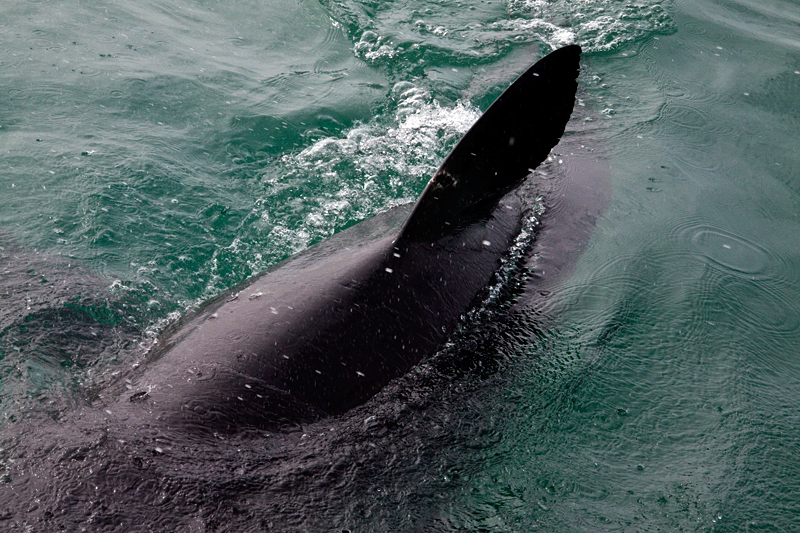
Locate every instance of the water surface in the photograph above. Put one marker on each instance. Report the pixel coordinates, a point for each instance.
(155, 154)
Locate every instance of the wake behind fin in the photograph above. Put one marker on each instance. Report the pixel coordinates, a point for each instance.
(506, 144)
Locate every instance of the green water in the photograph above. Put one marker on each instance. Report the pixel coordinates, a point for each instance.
(156, 153)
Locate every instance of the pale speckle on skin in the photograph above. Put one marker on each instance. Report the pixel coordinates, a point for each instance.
(487, 243)
(389, 270)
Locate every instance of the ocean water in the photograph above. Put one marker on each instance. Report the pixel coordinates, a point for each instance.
(157, 153)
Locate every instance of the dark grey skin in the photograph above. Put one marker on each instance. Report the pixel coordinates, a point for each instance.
(323, 332)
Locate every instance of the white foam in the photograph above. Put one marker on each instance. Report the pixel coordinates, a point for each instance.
(594, 24)
(522, 29)
(412, 147)
(371, 47)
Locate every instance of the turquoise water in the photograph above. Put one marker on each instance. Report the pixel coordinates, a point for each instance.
(155, 154)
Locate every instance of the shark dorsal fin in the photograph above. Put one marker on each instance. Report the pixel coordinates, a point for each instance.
(507, 142)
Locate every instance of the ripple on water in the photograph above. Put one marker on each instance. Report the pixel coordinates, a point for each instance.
(737, 255)
(688, 115)
(767, 309)
(734, 253)
(41, 96)
(694, 132)
(750, 282)
(598, 301)
(724, 278)
(89, 71)
(695, 157)
(694, 27)
(701, 92)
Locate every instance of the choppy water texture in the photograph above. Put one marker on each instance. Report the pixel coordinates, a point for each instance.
(156, 153)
